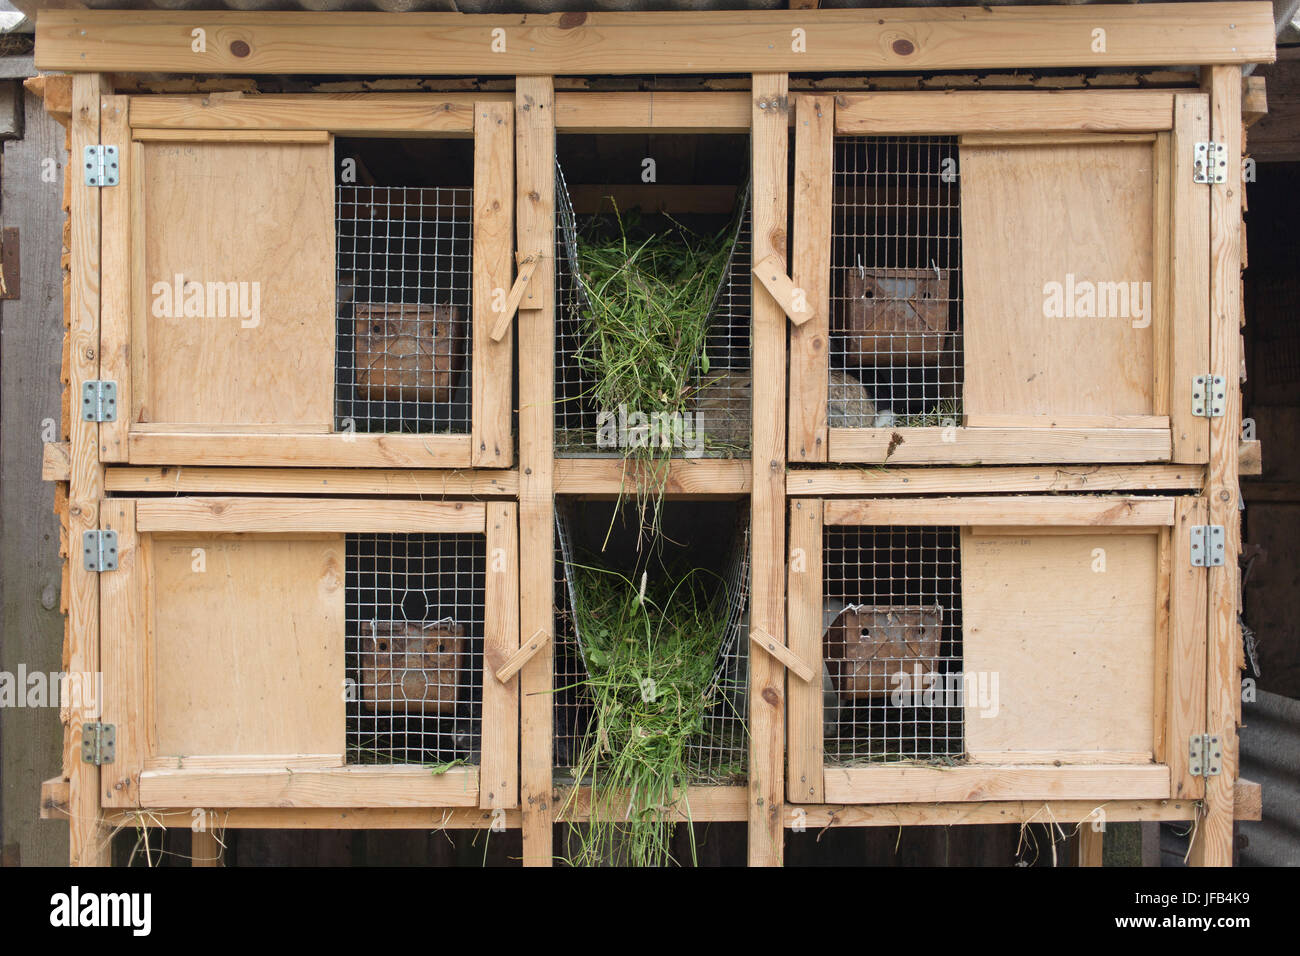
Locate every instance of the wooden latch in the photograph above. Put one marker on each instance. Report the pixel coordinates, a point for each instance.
(771, 272)
(527, 266)
(516, 661)
(792, 661)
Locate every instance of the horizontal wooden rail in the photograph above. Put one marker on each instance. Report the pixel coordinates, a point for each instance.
(1031, 511)
(860, 114)
(947, 38)
(696, 477)
(895, 784)
(998, 446)
(489, 482)
(341, 449)
(311, 787)
(844, 480)
(429, 113)
(672, 112)
(307, 515)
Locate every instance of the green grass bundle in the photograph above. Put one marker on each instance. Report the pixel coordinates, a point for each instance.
(650, 650)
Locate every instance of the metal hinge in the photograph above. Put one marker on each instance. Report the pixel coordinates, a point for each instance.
(99, 165)
(1209, 396)
(1210, 163)
(99, 550)
(1204, 756)
(98, 743)
(98, 401)
(1207, 545)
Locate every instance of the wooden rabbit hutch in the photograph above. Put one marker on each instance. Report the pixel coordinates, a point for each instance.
(976, 343)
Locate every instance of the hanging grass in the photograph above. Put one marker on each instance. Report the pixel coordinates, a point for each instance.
(649, 649)
(644, 332)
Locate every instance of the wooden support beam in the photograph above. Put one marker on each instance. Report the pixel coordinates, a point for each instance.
(480, 483)
(742, 41)
(1247, 800)
(782, 654)
(205, 849)
(1088, 845)
(1213, 843)
(56, 461)
(535, 229)
(793, 301)
(287, 515)
(1250, 458)
(769, 144)
(54, 799)
(501, 324)
(823, 482)
(680, 477)
(89, 839)
(513, 664)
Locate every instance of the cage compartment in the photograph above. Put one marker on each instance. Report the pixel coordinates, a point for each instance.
(892, 638)
(896, 308)
(718, 754)
(415, 635)
(717, 421)
(405, 265)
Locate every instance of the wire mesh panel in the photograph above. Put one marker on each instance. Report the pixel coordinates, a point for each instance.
(893, 644)
(415, 612)
(405, 275)
(717, 421)
(896, 288)
(718, 753)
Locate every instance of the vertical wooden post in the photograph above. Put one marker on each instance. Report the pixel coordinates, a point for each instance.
(204, 849)
(535, 224)
(1088, 845)
(806, 744)
(499, 769)
(1213, 843)
(770, 134)
(88, 838)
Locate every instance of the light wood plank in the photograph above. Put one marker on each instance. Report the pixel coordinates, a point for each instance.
(316, 481)
(259, 673)
(810, 342)
(698, 804)
(771, 273)
(290, 515)
(661, 112)
(995, 812)
(286, 447)
(205, 849)
(873, 114)
(124, 617)
(976, 420)
(1213, 844)
(499, 769)
(1088, 846)
(1044, 511)
(56, 461)
(681, 477)
(768, 147)
(535, 229)
(1184, 690)
(329, 818)
(414, 44)
(920, 481)
(1066, 626)
(1067, 219)
(805, 743)
(341, 113)
(228, 136)
(115, 278)
(1189, 280)
(329, 787)
(88, 839)
(492, 443)
(243, 761)
(991, 446)
(890, 784)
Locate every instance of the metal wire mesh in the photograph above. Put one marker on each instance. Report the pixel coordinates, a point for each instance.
(405, 274)
(414, 645)
(896, 286)
(893, 644)
(720, 414)
(719, 753)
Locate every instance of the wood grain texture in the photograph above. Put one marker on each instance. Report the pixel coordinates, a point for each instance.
(288, 446)
(288, 515)
(994, 812)
(676, 42)
(88, 841)
(769, 139)
(1184, 690)
(814, 141)
(1190, 280)
(125, 625)
(892, 784)
(247, 647)
(680, 477)
(535, 229)
(1047, 511)
(994, 446)
(340, 113)
(499, 770)
(1072, 646)
(662, 112)
(310, 787)
(1038, 215)
(274, 367)
(873, 114)
(805, 740)
(115, 276)
(492, 442)
(1213, 843)
(487, 483)
(1025, 478)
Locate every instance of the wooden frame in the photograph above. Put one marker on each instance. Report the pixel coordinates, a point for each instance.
(303, 764)
(251, 413)
(1147, 419)
(720, 42)
(1151, 761)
